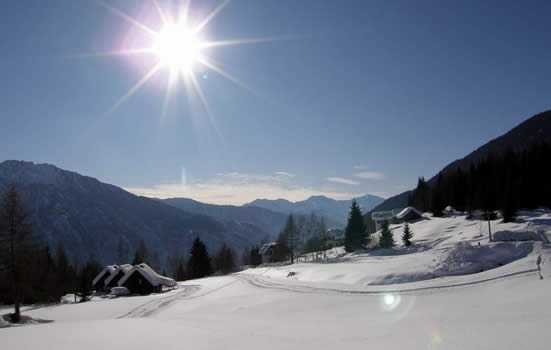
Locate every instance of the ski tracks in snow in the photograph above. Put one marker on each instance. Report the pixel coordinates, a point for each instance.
(157, 305)
(268, 283)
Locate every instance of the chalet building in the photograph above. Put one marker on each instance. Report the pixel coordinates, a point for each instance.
(395, 216)
(267, 252)
(99, 282)
(142, 279)
(115, 276)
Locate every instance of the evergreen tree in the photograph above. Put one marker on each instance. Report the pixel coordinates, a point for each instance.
(224, 260)
(291, 233)
(246, 257)
(355, 235)
(180, 272)
(256, 258)
(281, 249)
(387, 238)
(65, 275)
(509, 208)
(142, 255)
(437, 202)
(85, 278)
(407, 235)
(199, 263)
(16, 245)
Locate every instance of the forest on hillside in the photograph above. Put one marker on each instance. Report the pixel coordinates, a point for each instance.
(506, 182)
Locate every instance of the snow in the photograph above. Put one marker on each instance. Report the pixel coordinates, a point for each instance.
(341, 304)
(125, 268)
(406, 211)
(149, 274)
(120, 291)
(109, 269)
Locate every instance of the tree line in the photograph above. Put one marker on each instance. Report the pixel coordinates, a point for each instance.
(506, 182)
(31, 273)
(303, 237)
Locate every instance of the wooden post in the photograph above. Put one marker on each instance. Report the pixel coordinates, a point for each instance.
(489, 228)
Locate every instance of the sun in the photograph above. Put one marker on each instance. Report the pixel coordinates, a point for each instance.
(177, 47)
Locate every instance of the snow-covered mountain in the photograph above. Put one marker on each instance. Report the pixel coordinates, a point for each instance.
(91, 217)
(336, 211)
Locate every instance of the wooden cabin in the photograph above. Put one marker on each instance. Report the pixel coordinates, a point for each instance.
(142, 279)
(267, 252)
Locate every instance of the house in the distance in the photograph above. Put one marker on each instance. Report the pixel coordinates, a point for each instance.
(99, 282)
(395, 216)
(409, 214)
(267, 252)
(116, 276)
(142, 279)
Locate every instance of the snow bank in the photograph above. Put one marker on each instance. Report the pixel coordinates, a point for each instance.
(518, 236)
(120, 291)
(67, 299)
(466, 259)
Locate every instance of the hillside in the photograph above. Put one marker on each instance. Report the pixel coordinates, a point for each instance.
(90, 217)
(534, 130)
(446, 292)
(268, 221)
(335, 211)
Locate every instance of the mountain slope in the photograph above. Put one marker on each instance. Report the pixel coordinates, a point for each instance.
(534, 130)
(268, 221)
(335, 211)
(90, 217)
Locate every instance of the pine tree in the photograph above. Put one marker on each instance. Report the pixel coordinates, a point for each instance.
(256, 258)
(65, 275)
(437, 202)
(199, 263)
(291, 232)
(85, 277)
(281, 249)
(387, 238)
(180, 272)
(509, 209)
(224, 260)
(16, 245)
(355, 235)
(407, 235)
(142, 255)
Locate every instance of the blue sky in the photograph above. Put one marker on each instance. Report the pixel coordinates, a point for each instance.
(360, 97)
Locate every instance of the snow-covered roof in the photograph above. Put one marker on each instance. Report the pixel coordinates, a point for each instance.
(265, 248)
(106, 270)
(150, 275)
(124, 268)
(385, 215)
(406, 211)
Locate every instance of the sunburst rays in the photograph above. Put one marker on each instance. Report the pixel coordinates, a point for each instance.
(192, 85)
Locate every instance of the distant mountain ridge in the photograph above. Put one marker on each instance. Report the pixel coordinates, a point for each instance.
(534, 130)
(269, 221)
(90, 217)
(335, 211)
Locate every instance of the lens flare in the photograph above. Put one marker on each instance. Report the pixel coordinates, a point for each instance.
(390, 301)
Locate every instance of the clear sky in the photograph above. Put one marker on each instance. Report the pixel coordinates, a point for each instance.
(356, 97)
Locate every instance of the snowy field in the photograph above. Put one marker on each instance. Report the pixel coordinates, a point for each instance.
(447, 292)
